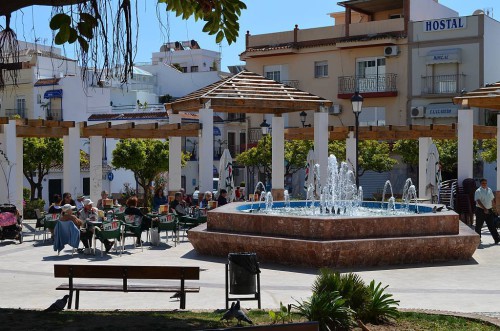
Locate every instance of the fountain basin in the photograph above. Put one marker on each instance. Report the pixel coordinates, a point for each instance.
(320, 241)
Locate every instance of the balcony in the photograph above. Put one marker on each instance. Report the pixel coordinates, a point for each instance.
(254, 135)
(442, 85)
(13, 113)
(370, 86)
(54, 114)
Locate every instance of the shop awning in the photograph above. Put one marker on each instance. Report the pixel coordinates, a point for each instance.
(53, 94)
(452, 55)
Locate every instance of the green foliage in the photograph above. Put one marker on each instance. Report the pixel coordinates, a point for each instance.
(381, 306)
(408, 149)
(74, 28)
(221, 16)
(350, 286)
(146, 158)
(39, 155)
(283, 315)
(337, 148)
(296, 155)
(30, 206)
(489, 153)
(329, 309)
(374, 156)
(26, 194)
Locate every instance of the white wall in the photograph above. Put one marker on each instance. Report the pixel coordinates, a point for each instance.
(429, 9)
(202, 58)
(491, 50)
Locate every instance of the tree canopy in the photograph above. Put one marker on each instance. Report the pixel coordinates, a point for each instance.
(105, 32)
(146, 158)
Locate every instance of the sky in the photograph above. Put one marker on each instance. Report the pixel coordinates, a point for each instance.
(261, 16)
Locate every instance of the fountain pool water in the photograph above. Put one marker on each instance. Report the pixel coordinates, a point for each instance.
(334, 227)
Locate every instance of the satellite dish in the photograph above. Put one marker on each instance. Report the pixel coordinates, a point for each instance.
(478, 12)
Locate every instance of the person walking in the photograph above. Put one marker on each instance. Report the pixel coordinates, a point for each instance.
(485, 201)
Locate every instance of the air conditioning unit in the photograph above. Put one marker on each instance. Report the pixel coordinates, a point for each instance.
(391, 50)
(335, 109)
(418, 112)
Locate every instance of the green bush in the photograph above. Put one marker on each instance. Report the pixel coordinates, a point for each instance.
(26, 194)
(30, 206)
(381, 306)
(329, 309)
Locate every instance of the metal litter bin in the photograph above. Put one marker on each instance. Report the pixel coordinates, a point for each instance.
(243, 270)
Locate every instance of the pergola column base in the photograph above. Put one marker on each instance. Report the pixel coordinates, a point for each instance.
(278, 194)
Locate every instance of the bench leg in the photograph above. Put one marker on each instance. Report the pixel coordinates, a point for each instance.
(77, 300)
(70, 299)
(183, 300)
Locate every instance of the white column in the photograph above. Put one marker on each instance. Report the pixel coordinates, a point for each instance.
(206, 149)
(321, 144)
(465, 144)
(350, 151)
(423, 149)
(11, 172)
(71, 166)
(174, 158)
(278, 156)
(95, 167)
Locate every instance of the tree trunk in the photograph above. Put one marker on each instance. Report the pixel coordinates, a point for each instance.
(33, 188)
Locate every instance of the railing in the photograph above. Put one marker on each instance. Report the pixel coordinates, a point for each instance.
(232, 117)
(54, 114)
(368, 83)
(443, 84)
(291, 83)
(16, 112)
(254, 135)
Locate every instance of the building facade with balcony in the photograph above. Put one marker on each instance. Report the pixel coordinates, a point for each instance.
(449, 56)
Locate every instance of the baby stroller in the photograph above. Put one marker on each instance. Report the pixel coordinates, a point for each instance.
(11, 223)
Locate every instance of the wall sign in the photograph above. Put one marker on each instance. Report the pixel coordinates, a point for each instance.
(451, 23)
(441, 110)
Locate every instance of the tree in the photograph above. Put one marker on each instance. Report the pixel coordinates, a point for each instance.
(39, 156)
(375, 156)
(337, 148)
(103, 33)
(489, 153)
(296, 155)
(259, 157)
(408, 150)
(146, 158)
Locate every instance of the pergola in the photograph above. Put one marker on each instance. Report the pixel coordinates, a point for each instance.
(248, 92)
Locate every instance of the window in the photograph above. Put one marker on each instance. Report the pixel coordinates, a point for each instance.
(374, 116)
(194, 68)
(21, 107)
(184, 69)
(274, 75)
(320, 69)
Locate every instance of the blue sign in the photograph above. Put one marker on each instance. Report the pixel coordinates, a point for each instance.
(53, 94)
(451, 23)
(110, 176)
(216, 131)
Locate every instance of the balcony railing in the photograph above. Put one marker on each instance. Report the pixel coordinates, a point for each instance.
(16, 112)
(54, 114)
(367, 84)
(254, 135)
(443, 84)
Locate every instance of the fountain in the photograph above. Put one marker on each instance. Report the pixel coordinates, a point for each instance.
(335, 227)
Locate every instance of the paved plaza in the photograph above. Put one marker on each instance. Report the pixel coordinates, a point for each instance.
(26, 273)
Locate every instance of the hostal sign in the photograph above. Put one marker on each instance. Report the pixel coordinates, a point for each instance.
(451, 23)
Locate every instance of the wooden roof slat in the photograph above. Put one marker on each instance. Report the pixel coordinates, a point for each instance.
(41, 132)
(170, 126)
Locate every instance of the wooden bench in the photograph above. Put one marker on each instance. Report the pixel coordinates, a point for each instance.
(125, 273)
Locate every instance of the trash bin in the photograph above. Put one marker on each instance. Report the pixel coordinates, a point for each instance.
(243, 270)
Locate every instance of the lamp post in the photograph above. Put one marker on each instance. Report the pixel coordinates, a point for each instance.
(357, 104)
(265, 127)
(303, 116)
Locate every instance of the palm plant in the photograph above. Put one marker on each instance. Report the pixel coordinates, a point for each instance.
(381, 306)
(327, 308)
(350, 286)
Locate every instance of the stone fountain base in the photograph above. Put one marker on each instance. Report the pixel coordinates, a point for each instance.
(423, 238)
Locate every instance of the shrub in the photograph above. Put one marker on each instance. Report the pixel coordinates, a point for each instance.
(31, 205)
(350, 286)
(26, 194)
(329, 309)
(381, 306)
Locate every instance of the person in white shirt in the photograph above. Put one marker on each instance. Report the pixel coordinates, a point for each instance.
(485, 201)
(79, 202)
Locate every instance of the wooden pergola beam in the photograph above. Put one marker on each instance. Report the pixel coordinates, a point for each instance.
(41, 132)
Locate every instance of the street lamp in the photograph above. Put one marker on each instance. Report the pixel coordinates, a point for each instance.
(265, 127)
(357, 104)
(303, 116)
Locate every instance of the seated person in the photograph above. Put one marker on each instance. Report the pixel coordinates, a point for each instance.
(85, 236)
(159, 199)
(222, 199)
(133, 210)
(91, 213)
(104, 195)
(79, 202)
(207, 197)
(67, 199)
(178, 205)
(55, 207)
(187, 199)
(196, 195)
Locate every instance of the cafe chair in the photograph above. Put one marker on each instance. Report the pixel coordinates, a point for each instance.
(40, 219)
(132, 228)
(110, 231)
(169, 223)
(66, 233)
(49, 223)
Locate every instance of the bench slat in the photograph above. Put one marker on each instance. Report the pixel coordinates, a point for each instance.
(130, 288)
(132, 272)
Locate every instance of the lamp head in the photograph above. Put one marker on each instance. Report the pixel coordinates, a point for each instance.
(357, 102)
(265, 127)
